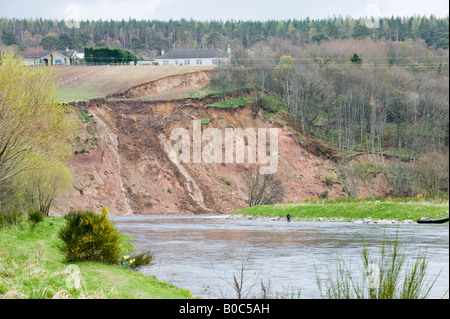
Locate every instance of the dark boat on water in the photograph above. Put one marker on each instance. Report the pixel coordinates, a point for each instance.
(428, 220)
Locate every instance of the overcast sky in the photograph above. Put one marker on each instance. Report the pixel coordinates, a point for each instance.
(206, 10)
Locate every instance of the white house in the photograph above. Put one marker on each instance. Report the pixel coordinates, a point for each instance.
(193, 57)
(66, 57)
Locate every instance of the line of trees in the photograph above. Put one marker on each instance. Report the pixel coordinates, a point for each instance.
(107, 55)
(387, 100)
(155, 35)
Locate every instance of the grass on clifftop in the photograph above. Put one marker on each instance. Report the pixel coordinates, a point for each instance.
(32, 267)
(233, 103)
(356, 210)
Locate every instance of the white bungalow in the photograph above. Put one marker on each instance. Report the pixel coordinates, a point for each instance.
(193, 57)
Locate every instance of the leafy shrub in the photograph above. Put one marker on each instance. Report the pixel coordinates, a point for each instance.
(226, 180)
(265, 104)
(83, 115)
(143, 259)
(35, 217)
(205, 121)
(13, 218)
(137, 260)
(323, 195)
(90, 236)
(328, 181)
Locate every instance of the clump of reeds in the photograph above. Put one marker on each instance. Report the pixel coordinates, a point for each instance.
(387, 276)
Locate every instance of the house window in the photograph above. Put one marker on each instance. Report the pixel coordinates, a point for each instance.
(215, 62)
(187, 62)
(199, 62)
(58, 61)
(165, 62)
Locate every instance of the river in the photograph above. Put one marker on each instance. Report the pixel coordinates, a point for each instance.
(203, 253)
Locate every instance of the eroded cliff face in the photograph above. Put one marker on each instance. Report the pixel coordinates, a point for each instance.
(130, 171)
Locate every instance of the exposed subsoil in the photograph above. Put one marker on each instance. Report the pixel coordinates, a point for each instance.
(130, 172)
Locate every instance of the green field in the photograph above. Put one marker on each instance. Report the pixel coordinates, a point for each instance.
(32, 267)
(81, 83)
(351, 211)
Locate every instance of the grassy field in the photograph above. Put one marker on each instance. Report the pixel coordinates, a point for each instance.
(353, 210)
(81, 83)
(32, 267)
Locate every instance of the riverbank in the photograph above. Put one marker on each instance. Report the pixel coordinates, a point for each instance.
(32, 267)
(356, 212)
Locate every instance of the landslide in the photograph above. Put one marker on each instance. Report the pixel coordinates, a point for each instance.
(127, 167)
(151, 89)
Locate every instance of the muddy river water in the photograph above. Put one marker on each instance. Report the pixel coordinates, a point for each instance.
(203, 253)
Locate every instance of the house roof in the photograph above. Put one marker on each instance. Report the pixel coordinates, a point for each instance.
(65, 53)
(194, 54)
(42, 54)
(34, 54)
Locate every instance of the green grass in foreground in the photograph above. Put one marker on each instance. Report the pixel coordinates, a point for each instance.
(32, 267)
(349, 211)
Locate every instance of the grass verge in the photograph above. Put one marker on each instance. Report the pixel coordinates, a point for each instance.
(32, 267)
(351, 211)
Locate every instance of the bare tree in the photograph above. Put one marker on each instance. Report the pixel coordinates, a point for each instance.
(222, 79)
(263, 189)
(312, 93)
(433, 172)
(44, 185)
(244, 279)
(349, 178)
(263, 62)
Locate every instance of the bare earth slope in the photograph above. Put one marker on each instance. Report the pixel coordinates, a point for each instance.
(130, 172)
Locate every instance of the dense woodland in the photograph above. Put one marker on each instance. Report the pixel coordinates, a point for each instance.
(151, 36)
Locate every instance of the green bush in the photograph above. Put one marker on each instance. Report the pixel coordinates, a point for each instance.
(83, 115)
(328, 181)
(323, 195)
(106, 55)
(205, 121)
(266, 104)
(136, 260)
(226, 180)
(35, 217)
(90, 236)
